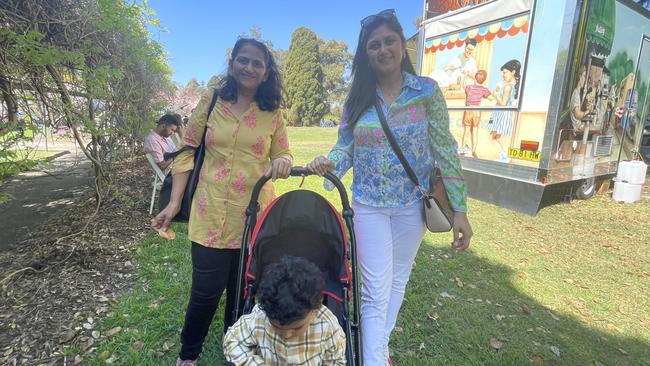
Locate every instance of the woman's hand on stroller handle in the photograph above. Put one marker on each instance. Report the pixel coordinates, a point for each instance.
(280, 168)
(320, 165)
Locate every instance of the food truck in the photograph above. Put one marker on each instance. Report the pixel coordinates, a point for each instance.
(545, 97)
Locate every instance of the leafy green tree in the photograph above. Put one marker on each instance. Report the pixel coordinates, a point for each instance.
(306, 97)
(90, 64)
(335, 62)
(620, 66)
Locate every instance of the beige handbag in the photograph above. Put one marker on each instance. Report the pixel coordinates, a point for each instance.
(438, 215)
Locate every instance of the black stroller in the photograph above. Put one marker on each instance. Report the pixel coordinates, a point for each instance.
(298, 217)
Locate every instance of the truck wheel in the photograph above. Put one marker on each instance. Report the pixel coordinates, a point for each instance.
(586, 189)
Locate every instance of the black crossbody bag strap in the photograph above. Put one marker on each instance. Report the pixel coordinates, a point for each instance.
(199, 154)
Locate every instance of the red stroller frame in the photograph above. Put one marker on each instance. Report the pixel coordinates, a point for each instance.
(287, 222)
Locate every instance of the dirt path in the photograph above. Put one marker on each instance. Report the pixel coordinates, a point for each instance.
(39, 193)
(49, 288)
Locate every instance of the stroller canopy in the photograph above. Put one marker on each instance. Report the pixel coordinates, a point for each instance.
(302, 223)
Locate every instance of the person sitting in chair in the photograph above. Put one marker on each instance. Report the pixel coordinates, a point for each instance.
(159, 141)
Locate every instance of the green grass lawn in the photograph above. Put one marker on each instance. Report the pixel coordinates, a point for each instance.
(566, 287)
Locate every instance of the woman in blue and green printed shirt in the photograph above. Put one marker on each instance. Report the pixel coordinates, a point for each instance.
(389, 218)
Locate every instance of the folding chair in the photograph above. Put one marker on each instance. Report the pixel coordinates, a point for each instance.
(158, 179)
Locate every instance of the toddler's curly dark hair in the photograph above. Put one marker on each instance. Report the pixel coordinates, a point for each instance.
(290, 289)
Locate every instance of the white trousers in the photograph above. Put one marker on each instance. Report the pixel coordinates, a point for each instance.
(387, 240)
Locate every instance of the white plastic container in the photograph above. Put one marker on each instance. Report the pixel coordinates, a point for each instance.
(631, 171)
(626, 192)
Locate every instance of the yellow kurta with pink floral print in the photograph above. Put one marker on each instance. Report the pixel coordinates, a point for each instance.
(238, 152)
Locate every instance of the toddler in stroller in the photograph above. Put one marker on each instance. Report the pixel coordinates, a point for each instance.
(303, 224)
(289, 325)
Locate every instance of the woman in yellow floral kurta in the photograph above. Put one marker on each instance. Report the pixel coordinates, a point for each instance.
(239, 151)
(245, 139)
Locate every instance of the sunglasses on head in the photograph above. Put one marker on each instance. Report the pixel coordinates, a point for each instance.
(388, 14)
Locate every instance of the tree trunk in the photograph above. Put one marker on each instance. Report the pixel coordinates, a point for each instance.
(10, 101)
(100, 175)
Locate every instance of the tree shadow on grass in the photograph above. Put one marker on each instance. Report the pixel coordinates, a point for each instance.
(441, 323)
(460, 308)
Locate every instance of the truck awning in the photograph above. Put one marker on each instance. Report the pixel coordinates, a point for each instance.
(508, 27)
(601, 25)
(478, 15)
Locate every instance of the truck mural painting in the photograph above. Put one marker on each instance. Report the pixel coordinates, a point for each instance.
(545, 98)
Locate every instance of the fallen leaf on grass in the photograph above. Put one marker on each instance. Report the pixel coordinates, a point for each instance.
(433, 317)
(555, 350)
(499, 317)
(68, 336)
(78, 359)
(552, 315)
(458, 282)
(113, 331)
(167, 345)
(597, 363)
(622, 351)
(525, 309)
(95, 334)
(104, 355)
(421, 346)
(446, 294)
(154, 304)
(644, 322)
(472, 286)
(537, 360)
(88, 344)
(495, 343)
(137, 345)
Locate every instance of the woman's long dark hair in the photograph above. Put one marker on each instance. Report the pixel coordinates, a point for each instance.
(364, 83)
(269, 93)
(515, 67)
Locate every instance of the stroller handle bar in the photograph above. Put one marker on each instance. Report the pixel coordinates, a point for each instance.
(304, 172)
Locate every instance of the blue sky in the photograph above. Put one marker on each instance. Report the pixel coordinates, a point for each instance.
(199, 31)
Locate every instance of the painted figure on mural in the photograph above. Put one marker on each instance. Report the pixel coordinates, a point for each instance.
(581, 103)
(505, 94)
(627, 105)
(460, 70)
(474, 94)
